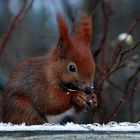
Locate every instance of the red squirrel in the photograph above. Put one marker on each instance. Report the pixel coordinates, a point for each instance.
(57, 87)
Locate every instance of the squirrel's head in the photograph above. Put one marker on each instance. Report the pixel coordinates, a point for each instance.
(74, 61)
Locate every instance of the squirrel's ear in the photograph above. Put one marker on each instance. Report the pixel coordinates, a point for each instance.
(84, 29)
(64, 39)
(62, 27)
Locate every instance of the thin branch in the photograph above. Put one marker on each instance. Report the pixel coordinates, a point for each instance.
(134, 25)
(128, 50)
(117, 52)
(131, 99)
(127, 93)
(4, 40)
(94, 10)
(106, 11)
(105, 75)
(119, 65)
(121, 59)
(115, 85)
(106, 16)
(130, 79)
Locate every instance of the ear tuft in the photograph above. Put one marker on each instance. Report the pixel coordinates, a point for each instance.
(62, 27)
(84, 29)
(63, 43)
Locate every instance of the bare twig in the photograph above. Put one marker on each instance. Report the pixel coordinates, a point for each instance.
(131, 99)
(106, 17)
(4, 40)
(128, 50)
(106, 11)
(117, 52)
(117, 61)
(102, 50)
(134, 25)
(115, 85)
(94, 10)
(122, 58)
(127, 93)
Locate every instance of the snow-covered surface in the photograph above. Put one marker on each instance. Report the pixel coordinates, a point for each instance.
(112, 126)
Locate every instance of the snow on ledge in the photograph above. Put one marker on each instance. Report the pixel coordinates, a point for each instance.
(112, 126)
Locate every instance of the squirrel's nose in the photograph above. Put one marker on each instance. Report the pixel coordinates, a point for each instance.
(88, 90)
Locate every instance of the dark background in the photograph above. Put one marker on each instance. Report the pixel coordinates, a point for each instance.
(37, 33)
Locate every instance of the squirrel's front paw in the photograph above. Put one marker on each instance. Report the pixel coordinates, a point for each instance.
(81, 101)
(93, 100)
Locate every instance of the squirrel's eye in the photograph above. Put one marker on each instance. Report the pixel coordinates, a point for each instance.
(72, 68)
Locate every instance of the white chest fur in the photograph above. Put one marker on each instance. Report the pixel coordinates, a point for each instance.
(57, 118)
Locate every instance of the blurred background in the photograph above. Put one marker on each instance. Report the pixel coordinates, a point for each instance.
(37, 32)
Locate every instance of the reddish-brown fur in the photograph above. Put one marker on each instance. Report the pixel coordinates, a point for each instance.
(34, 89)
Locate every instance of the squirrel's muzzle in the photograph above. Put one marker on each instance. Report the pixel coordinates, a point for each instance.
(87, 88)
